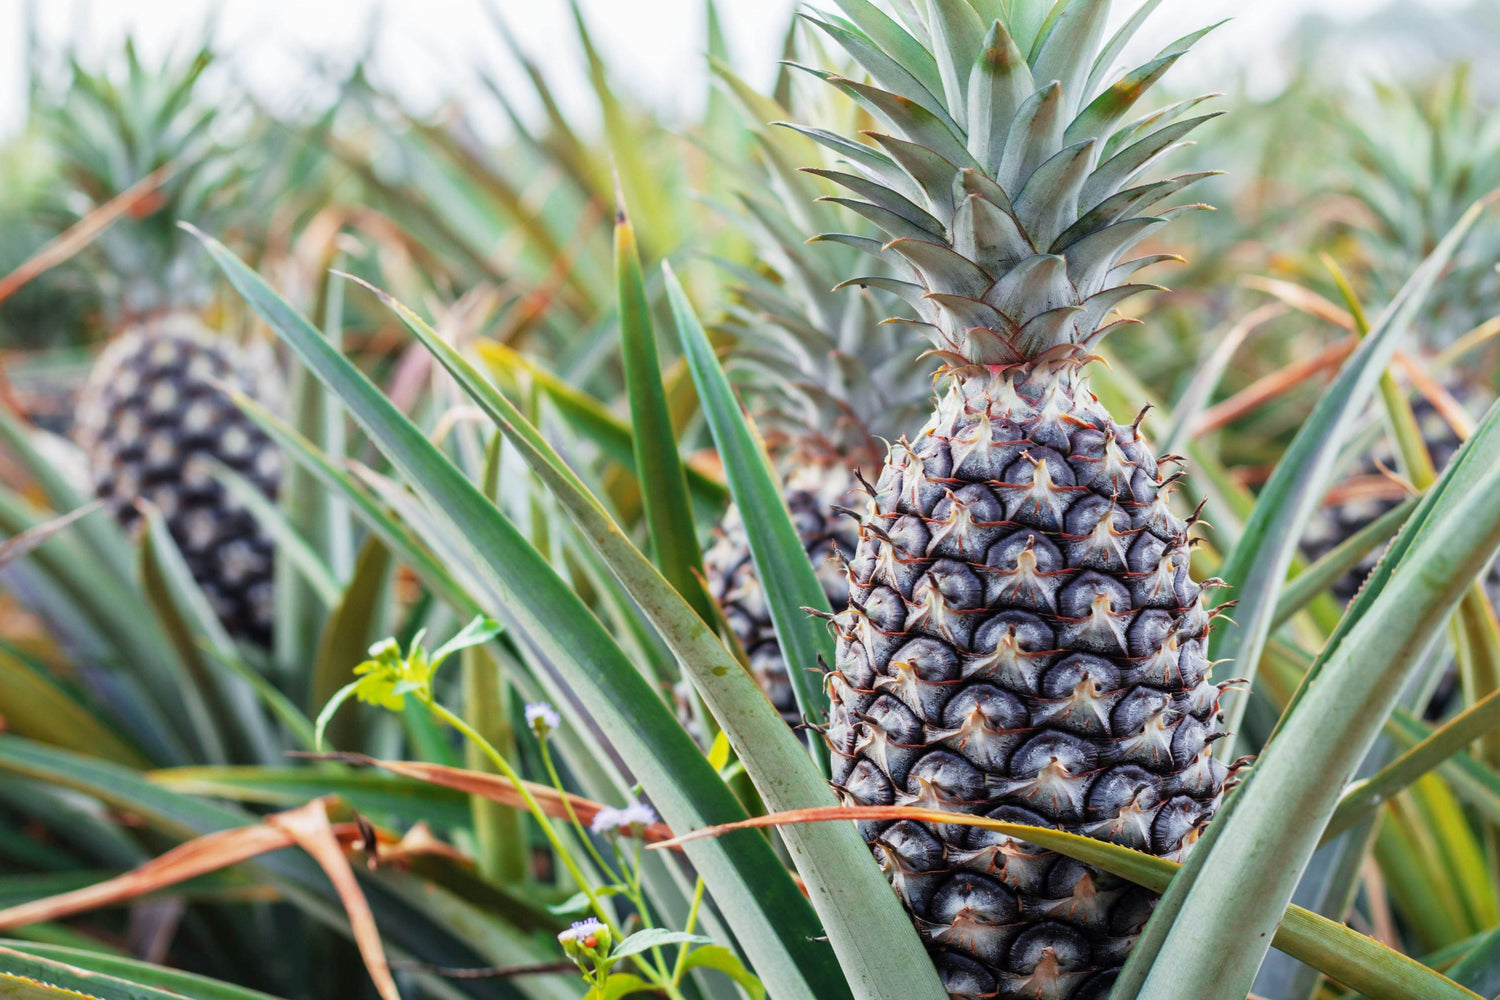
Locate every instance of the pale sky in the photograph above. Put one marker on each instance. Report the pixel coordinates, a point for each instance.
(425, 47)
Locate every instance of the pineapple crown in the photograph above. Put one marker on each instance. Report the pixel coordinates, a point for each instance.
(111, 130)
(1423, 154)
(1009, 185)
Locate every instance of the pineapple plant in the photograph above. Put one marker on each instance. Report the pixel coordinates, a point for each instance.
(155, 416)
(1022, 639)
(1422, 155)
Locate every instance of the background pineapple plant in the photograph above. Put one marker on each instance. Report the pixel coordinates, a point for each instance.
(828, 382)
(155, 418)
(1423, 153)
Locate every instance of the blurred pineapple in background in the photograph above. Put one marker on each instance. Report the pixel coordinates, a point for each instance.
(1421, 154)
(154, 418)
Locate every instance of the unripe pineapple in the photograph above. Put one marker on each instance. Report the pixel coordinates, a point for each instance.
(1023, 639)
(154, 419)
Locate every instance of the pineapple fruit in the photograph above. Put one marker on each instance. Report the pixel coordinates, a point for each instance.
(812, 494)
(1022, 639)
(154, 416)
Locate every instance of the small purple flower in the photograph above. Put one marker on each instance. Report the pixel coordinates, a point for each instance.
(543, 719)
(631, 821)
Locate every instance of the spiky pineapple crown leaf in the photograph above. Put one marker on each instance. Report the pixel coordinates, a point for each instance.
(1422, 154)
(113, 126)
(826, 378)
(1009, 186)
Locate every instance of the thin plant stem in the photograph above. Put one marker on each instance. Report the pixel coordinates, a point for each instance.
(655, 974)
(692, 921)
(632, 880)
(583, 833)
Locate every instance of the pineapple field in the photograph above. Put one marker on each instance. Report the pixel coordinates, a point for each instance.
(992, 499)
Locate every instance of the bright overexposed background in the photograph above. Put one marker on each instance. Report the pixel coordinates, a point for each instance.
(424, 50)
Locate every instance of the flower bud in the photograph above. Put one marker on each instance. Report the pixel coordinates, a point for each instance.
(586, 941)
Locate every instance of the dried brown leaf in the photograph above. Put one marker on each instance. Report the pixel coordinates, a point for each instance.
(309, 828)
(1435, 393)
(1302, 299)
(200, 856)
(84, 231)
(493, 787)
(17, 546)
(306, 827)
(1264, 390)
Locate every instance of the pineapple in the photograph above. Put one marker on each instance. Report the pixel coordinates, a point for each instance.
(827, 382)
(1023, 639)
(1371, 490)
(154, 416)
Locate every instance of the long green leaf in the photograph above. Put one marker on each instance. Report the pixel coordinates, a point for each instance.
(204, 646)
(1259, 563)
(354, 623)
(1340, 560)
(773, 922)
(1453, 736)
(370, 792)
(406, 926)
(289, 543)
(791, 583)
(100, 536)
(593, 420)
(851, 899)
(1479, 970)
(123, 626)
(658, 463)
(110, 977)
(1338, 951)
(1471, 780)
(500, 848)
(1213, 951)
(397, 538)
(35, 705)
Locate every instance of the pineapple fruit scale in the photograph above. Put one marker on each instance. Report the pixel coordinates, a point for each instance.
(1022, 638)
